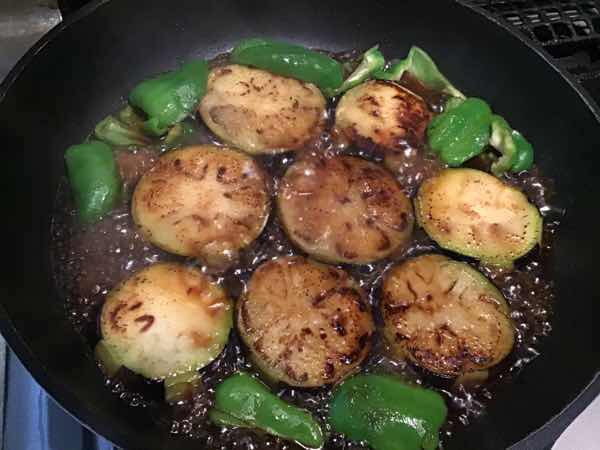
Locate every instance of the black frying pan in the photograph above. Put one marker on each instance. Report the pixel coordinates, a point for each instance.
(81, 70)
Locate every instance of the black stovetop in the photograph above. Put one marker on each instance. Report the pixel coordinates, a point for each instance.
(569, 30)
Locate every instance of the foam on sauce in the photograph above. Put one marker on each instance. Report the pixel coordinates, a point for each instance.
(89, 262)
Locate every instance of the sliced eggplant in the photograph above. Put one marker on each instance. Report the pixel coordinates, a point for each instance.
(260, 112)
(344, 209)
(475, 214)
(382, 115)
(305, 323)
(166, 320)
(203, 201)
(445, 316)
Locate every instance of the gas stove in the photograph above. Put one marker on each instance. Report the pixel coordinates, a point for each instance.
(567, 30)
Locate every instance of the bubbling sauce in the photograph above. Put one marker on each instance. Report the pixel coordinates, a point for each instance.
(89, 262)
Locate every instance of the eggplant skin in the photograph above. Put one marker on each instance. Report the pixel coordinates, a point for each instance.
(166, 319)
(260, 112)
(382, 115)
(203, 201)
(306, 324)
(475, 214)
(344, 209)
(445, 316)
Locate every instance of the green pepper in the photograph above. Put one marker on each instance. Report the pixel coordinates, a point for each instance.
(131, 118)
(94, 178)
(517, 152)
(115, 132)
(501, 139)
(290, 60)
(226, 420)
(420, 65)
(461, 132)
(176, 134)
(524, 153)
(170, 97)
(372, 61)
(452, 103)
(387, 413)
(243, 401)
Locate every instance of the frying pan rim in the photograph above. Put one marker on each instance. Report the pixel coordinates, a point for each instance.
(545, 435)
(541, 438)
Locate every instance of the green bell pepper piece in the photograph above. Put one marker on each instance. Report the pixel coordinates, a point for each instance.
(115, 132)
(502, 140)
(524, 153)
(461, 132)
(517, 152)
(387, 413)
(452, 103)
(170, 97)
(94, 178)
(372, 61)
(242, 400)
(420, 65)
(225, 420)
(176, 134)
(290, 60)
(131, 118)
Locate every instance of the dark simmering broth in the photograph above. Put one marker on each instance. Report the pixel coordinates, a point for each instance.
(88, 262)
